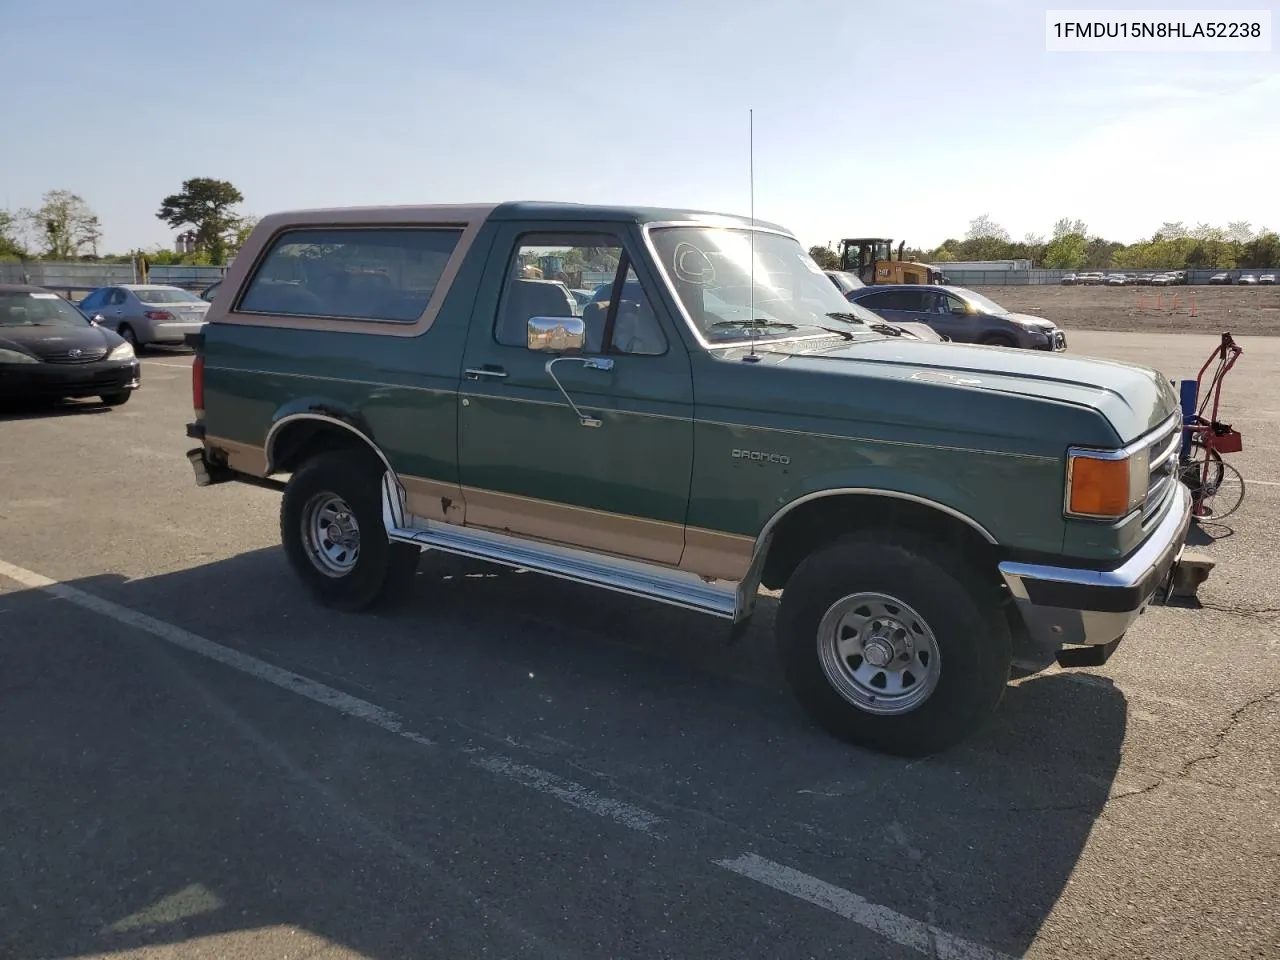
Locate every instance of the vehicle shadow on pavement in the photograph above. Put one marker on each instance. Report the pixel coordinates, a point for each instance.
(129, 791)
(32, 410)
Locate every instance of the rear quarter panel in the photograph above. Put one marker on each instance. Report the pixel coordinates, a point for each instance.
(402, 389)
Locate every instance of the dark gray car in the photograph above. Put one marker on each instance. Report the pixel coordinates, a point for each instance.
(960, 315)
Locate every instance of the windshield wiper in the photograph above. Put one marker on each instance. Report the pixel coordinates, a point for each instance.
(851, 317)
(751, 324)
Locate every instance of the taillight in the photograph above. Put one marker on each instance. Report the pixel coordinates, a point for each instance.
(197, 385)
(158, 315)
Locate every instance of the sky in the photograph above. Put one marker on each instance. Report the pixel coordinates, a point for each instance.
(901, 120)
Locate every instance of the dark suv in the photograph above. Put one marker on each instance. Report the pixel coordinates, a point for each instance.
(960, 314)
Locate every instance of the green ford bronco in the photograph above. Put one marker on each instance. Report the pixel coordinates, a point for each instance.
(680, 406)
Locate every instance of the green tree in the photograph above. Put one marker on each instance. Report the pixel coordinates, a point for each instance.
(64, 226)
(243, 228)
(1067, 226)
(10, 244)
(205, 204)
(825, 257)
(1262, 251)
(1067, 252)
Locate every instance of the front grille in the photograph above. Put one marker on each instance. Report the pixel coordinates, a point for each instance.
(86, 355)
(1163, 458)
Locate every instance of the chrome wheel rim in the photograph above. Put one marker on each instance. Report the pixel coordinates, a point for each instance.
(331, 534)
(878, 653)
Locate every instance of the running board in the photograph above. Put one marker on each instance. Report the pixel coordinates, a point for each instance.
(633, 577)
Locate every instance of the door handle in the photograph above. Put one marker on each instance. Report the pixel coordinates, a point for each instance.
(488, 370)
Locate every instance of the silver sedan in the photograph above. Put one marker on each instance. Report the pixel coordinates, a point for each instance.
(147, 313)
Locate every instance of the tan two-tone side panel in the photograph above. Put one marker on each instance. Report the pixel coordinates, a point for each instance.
(708, 553)
(433, 499)
(465, 217)
(612, 533)
(245, 457)
(721, 556)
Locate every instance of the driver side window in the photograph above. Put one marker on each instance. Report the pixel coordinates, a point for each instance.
(577, 275)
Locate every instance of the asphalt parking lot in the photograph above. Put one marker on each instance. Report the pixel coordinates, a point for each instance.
(199, 762)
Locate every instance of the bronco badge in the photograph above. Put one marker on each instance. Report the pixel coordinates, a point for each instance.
(758, 456)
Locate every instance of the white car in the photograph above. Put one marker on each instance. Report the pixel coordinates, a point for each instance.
(1117, 280)
(1267, 278)
(147, 313)
(1247, 278)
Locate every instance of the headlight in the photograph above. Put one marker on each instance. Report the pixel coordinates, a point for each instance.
(1106, 484)
(122, 352)
(13, 356)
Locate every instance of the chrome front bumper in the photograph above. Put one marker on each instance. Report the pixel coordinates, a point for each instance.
(1065, 606)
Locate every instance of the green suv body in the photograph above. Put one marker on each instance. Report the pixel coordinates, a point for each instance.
(716, 420)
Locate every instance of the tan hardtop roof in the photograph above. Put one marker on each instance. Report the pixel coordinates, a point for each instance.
(389, 213)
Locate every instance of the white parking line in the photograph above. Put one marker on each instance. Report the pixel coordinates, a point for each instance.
(881, 920)
(566, 791)
(285, 679)
(573, 794)
(890, 924)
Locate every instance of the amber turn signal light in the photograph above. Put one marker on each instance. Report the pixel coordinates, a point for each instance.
(1098, 487)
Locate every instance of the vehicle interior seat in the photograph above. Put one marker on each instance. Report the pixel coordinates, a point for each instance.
(531, 298)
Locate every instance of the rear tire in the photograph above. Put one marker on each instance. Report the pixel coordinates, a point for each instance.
(117, 398)
(854, 625)
(332, 532)
(131, 338)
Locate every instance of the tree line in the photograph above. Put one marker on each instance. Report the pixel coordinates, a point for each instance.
(1071, 246)
(64, 227)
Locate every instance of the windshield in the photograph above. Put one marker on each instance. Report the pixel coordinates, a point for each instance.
(167, 295)
(981, 302)
(25, 309)
(731, 296)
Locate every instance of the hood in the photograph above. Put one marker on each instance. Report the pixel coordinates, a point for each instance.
(1028, 320)
(41, 341)
(1134, 399)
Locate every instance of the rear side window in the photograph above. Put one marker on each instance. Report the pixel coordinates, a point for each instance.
(367, 273)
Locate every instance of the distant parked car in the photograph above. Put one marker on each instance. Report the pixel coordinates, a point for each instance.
(1267, 278)
(147, 313)
(1162, 280)
(1068, 279)
(1220, 278)
(50, 349)
(959, 314)
(1247, 278)
(1117, 280)
(1090, 278)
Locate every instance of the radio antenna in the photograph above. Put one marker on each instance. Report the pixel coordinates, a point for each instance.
(751, 188)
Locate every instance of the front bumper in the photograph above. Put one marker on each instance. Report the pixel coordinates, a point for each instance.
(1070, 607)
(72, 380)
(1055, 341)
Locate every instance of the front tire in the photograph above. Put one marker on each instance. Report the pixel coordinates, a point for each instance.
(332, 532)
(889, 643)
(998, 340)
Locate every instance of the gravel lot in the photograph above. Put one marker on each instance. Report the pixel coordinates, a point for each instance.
(198, 762)
(1239, 310)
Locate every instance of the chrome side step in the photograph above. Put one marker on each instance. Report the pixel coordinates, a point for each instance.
(633, 577)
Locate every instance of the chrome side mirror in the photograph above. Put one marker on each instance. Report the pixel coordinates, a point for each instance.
(97, 318)
(557, 334)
